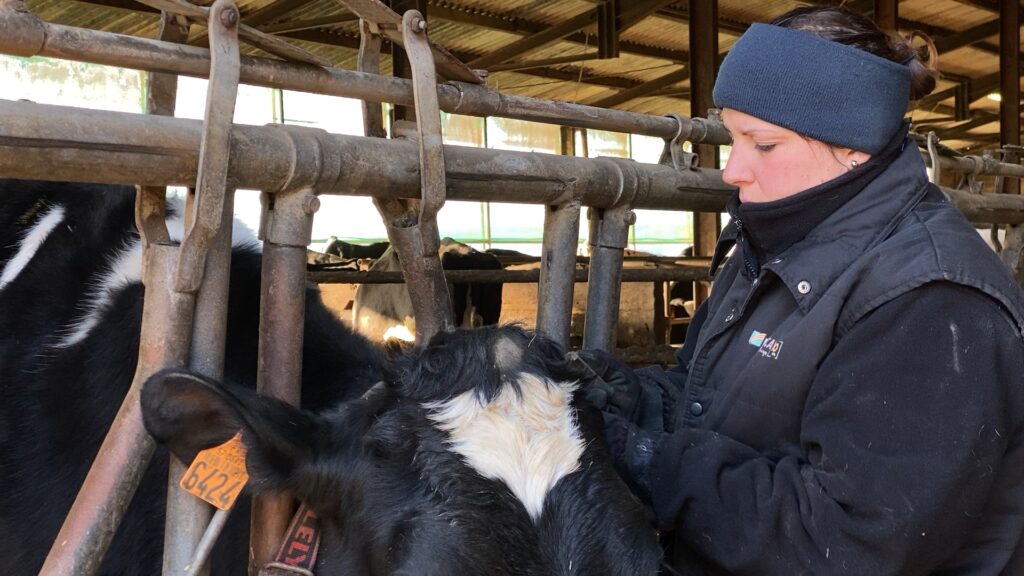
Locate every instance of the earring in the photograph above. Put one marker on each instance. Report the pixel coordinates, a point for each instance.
(853, 164)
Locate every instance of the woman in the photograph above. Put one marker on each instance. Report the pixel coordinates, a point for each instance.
(850, 399)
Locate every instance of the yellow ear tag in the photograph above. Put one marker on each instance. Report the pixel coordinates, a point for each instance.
(218, 474)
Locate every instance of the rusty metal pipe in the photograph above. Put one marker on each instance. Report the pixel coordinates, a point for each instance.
(697, 273)
(286, 228)
(23, 34)
(187, 516)
(557, 271)
(116, 147)
(282, 309)
(609, 233)
(977, 165)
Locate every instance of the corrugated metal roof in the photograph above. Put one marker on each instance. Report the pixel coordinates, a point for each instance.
(653, 47)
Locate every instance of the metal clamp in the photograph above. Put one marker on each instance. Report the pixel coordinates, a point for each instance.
(383, 20)
(262, 40)
(412, 225)
(673, 153)
(1010, 154)
(369, 61)
(936, 172)
(428, 116)
(215, 147)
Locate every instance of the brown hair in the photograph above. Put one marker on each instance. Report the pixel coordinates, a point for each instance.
(847, 27)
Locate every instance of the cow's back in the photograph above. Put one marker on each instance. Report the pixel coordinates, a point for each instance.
(61, 384)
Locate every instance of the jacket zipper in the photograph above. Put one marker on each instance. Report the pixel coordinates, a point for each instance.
(741, 239)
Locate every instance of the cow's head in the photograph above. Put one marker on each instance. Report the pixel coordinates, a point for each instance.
(504, 397)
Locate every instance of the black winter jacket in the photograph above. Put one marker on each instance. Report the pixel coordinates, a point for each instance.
(858, 406)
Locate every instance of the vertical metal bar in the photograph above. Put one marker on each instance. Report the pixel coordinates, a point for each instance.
(660, 323)
(703, 69)
(203, 266)
(161, 100)
(187, 516)
(286, 227)
(111, 482)
(886, 14)
(369, 61)
(609, 233)
(1009, 81)
(557, 271)
(282, 309)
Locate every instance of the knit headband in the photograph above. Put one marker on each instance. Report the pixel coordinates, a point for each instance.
(828, 91)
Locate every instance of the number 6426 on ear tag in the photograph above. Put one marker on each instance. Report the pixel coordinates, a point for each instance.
(218, 474)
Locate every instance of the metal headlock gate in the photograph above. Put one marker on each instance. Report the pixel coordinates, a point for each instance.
(184, 314)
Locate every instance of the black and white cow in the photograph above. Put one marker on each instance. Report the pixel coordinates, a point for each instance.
(384, 311)
(348, 250)
(476, 457)
(70, 312)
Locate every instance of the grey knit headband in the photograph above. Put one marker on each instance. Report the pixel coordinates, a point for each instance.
(819, 88)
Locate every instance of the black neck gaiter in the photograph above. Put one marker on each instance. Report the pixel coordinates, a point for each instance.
(766, 229)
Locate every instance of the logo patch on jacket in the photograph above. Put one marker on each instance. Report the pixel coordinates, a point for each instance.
(766, 345)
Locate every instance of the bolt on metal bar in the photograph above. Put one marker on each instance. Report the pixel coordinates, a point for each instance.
(23, 34)
(609, 233)
(557, 271)
(388, 23)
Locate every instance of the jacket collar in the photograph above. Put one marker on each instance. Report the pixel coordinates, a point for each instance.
(831, 246)
(812, 264)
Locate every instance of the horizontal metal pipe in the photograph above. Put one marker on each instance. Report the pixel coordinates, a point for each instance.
(662, 274)
(979, 165)
(23, 34)
(988, 208)
(116, 147)
(121, 148)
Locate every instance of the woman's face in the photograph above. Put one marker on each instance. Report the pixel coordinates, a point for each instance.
(769, 162)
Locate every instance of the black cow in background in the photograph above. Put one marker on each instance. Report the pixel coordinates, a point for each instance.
(383, 311)
(70, 313)
(348, 250)
(478, 456)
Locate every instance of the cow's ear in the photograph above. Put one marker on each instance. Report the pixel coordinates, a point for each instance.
(189, 413)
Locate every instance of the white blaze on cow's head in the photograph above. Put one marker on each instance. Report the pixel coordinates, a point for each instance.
(504, 413)
(526, 436)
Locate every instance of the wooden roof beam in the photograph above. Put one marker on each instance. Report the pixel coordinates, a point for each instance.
(987, 5)
(642, 90)
(967, 37)
(352, 42)
(517, 25)
(536, 40)
(960, 130)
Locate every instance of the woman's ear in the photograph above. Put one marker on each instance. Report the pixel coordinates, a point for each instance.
(852, 158)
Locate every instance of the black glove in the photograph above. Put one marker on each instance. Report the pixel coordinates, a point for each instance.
(614, 388)
(632, 452)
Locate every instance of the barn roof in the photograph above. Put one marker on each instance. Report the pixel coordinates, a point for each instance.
(653, 47)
